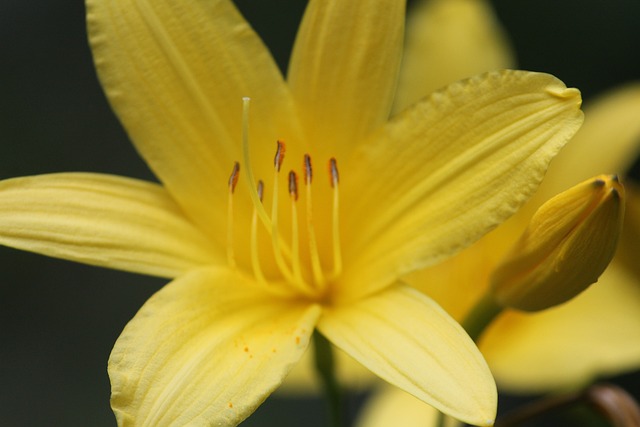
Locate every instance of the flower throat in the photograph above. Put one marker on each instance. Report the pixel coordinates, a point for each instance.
(311, 280)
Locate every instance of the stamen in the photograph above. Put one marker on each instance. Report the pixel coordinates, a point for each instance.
(334, 176)
(293, 185)
(233, 181)
(275, 235)
(316, 266)
(279, 157)
(308, 171)
(280, 249)
(255, 260)
(335, 214)
(295, 237)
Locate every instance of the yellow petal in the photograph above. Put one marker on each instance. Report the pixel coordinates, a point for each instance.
(608, 142)
(207, 349)
(629, 248)
(102, 220)
(570, 241)
(408, 340)
(303, 378)
(595, 334)
(393, 407)
(343, 70)
(445, 172)
(448, 40)
(175, 73)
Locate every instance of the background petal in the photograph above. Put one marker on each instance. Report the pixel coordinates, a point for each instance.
(597, 333)
(392, 406)
(608, 142)
(175, 73)
(343, 70)
(444, 173)
(206, 349)
(102, 220)
(408, 340)
(448, 40)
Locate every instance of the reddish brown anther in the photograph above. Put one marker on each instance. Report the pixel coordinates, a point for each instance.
(293, 185)
(233, 178)
(334, 176)
(260, 189)
(308, 171)
(279, 158)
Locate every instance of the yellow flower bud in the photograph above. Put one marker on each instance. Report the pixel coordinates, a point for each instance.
(568, 244)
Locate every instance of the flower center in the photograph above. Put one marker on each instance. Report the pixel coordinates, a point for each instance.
(296, 253)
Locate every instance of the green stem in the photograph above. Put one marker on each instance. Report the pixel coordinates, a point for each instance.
(326, 370)
(481, 316)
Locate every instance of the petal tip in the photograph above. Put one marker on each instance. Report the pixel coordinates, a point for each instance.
(565, 93)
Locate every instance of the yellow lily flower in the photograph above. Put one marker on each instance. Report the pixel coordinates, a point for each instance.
(596, 333)
(257, 266)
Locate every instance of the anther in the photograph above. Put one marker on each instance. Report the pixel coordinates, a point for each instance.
(308, 171)
(233, 178)
(279, 157)
(293, 185)
(334, 176)
(260, 189)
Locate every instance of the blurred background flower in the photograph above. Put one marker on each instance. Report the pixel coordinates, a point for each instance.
(60, 320)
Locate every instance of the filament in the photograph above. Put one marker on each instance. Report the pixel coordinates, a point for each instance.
(335, 214)
(275, 235)
(316, 266)
(233, 181)
(295, 237)
(255, 260)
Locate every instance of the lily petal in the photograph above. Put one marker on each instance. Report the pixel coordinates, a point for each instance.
(608, 142)
(102, 220)
(392, 406)
(597, 333)
(629, 248)
(206, 349)
(344, 68)
(448, 40)
(425, 352)
(175, 73)
(454, 167)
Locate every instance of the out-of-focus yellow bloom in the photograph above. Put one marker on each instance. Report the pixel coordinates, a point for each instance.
(569, 242)
(598, 332)
(449, 40)
(629, 248)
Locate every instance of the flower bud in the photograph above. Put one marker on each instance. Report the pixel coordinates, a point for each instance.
(568, 244)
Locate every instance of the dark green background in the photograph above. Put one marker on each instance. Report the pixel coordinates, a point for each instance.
(59, 320)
